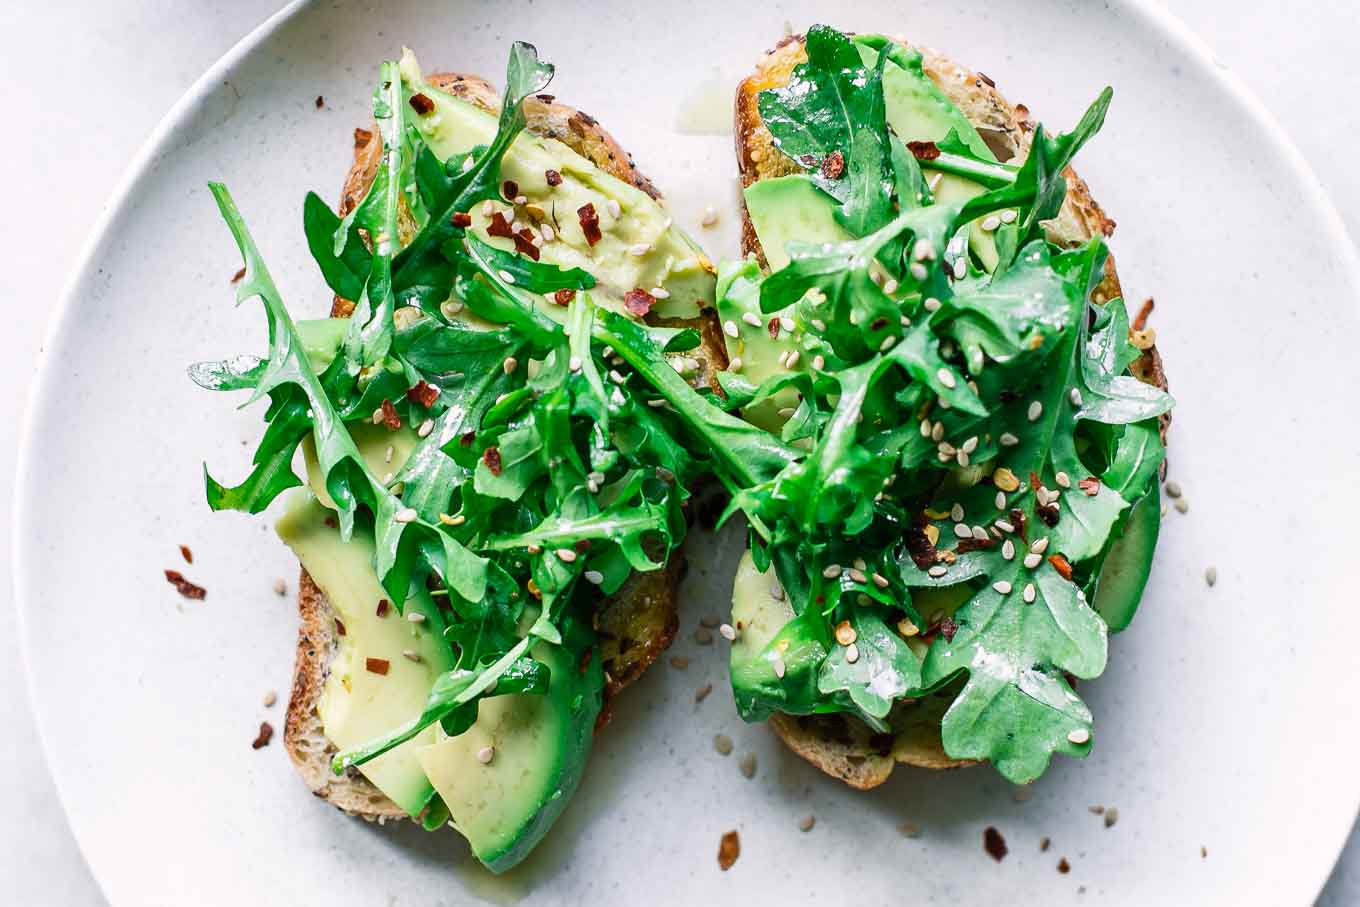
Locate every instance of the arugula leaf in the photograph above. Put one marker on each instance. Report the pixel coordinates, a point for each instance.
(346, 272)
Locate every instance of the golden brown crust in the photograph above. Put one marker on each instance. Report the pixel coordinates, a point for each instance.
(636, 625)
(841, 746)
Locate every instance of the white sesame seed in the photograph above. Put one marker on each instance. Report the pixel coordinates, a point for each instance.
(1079, 736)
(990, 223)
(1173, 489)
(1211, 575)
(1008, 440)
(832, 571)
(1032, 561)
(730, 328)
(612, 206)
(549, 234)
(852, 653)
(890, 287)
(956, 512)
(960, 268)
(949, 450)
(735, 364)
(566, 555)
(819, 362)
(1008, 216)
(919, 271)
(488, 209)
(1063, 480)
(1036, 409)
(1075, 396)
(857, 575)
(887, 343)
(510, 364)
(964, 459)
(574, 363)
(970, 445)
(486, 754)
(410, 655)
(818, 324)
(922, 250)
(507, 276)
(710, 217)
(521, 199)
(450, 307)
(415, 617)
(925, 428)
(931, 304)
(792, 360)
(938, 570)
(661, 292)
(533, 549)
(1002, 586)
(947, 378)
(728, 632)
(616, 376)
(880, 580)
(963, 530)
(405, 515)
(1008, 549)
(937, 432)
(1029, 593)
(1005, 525)
(657, 403)
(594, 577)
(779, 668)
(387, 454)
(1001, 500)
(980, 533)
(1040, 545)
(752, 319)
(787, 323)
(425, 428)
(637, 250)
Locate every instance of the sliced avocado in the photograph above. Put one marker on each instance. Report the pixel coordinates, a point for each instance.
(790, 208)
(1124, 574)
(373, 442)
(768, 632)
(672, 261)
(508, 777)
(372, 685)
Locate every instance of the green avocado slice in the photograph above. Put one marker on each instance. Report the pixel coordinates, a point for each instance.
(1125, 572)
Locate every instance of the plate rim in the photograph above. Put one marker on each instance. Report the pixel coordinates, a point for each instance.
(1157, 17)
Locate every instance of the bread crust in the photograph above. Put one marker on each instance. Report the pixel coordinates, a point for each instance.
(635, 625)
(837, 744)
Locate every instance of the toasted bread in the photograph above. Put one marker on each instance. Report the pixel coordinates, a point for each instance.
(635, 625)
(841, 746)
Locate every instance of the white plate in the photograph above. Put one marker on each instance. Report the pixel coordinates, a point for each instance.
(1225, 720)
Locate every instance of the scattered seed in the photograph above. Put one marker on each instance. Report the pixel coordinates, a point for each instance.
(880, 580)
(938, 570)
(931, 304)
(413, 616)
(723, 744)
(852, 653)
(1044, 844)
(1111, 817)
(1063, 480)
(679, 662)
(1211, 575)
(270, 698)
(1173, 489)
(730, 329)
(1032, 560)
(747, 765)
(1074, 395)
(728, 632)
(779, 667)
(710, 217)
(910, 829)
(411, 655)
(280, 587)
(486, 754)
(845, 634)
(702, 693)
(1182, 505)
(806, 823)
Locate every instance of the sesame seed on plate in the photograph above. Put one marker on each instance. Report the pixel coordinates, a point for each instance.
(980, 533)
(960, 268)
(728, 632)
(970, 445)
(661, 292)
(880, 580)
(710, 217)
(1005, 525)
(509, 365)
(574, 363)
(425, 428)
(858, 575)
(594, 577)
(818, 324)
(1173, 489)
(887, 343)
(779, 667)
(852, 653)
(963, 530)
(1211, 575)
(890, 287)
(415, 617)
(990, 223)
(819, 362)
(488, 209)
(411, 655)
(937, 431)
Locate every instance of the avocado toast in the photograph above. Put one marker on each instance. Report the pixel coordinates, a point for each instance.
(489, 533)
(930, 310)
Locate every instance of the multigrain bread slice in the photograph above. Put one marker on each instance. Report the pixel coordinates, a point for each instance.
(634, 626)
(841, 746)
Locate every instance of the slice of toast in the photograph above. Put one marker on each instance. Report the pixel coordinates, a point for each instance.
(841, 746)
(635, 625)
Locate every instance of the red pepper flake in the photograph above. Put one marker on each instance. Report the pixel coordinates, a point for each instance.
(971, 544)
(339, 627)
(546, 98)
(320, 102)
(265, 735)
(1034, 483)
(773, 328)
(184, 587)
(389, 416)
(1062, 565)
(499, 226)
(467, 439)
(1063, 866)
(564, 297)
(584, 663)
(186, 554)
(728, 850)
(422, 104)
(638, 301)
(947, 629)
(329, 522)
(1090, 485)
(983, 76)
(377, 665)
(510, 189)
(362, 137)
(492, 458)
(1018, 521)
(1141, 321)
(383, 606)
(553, 177)
(236, 278)
(1049, 515)
(461, 219)
(524, 243)
(833, 165)
(924, 151)
(994, 844)
(423, 393)
(590, 223)
(918, 545)
(878, 324)
(582, 545)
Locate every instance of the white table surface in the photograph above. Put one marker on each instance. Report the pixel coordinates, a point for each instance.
(86, 83)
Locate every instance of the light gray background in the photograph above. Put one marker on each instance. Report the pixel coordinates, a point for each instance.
(86, 83)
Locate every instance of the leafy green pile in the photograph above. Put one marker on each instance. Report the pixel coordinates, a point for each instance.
(545, 473)
(960, 428)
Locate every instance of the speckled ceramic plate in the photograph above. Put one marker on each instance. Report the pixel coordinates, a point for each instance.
(1226, 720)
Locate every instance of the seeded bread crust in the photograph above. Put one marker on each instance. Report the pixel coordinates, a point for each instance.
(841, 746)
(635, 626)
